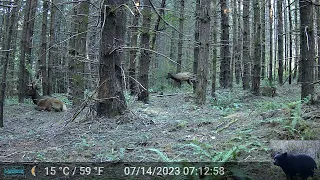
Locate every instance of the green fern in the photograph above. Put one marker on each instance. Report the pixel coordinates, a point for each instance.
(161, 155)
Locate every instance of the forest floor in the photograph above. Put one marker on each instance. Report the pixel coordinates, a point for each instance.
(237, 126)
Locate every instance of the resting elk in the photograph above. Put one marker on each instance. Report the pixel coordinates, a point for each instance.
(183, 76)
(45, 102)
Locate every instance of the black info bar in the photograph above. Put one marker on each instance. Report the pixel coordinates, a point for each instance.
(140, 170)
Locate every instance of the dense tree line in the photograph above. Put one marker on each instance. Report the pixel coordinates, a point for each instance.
(110, 47)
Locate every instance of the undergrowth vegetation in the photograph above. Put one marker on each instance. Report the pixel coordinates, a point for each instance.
(226, 101)
(234, 126)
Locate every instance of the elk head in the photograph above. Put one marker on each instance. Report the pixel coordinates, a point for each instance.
(33, 93)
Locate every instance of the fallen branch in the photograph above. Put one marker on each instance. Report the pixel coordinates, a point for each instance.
(175, 94)
(163, 95)
(316, 82)
(228, 125)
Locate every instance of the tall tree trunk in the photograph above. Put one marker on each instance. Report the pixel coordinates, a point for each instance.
(307, 48)
(280, 41)
(225, 81)
(2, 28)
(43, 56)
(297, 58)
(270, 42)
(60, 66)
(92, 51)
(78, 51)
(133, 52)
(257, 49)
(73, 52)
(156, 26)
(201, 89)
(263, 38)
(246, 46)
(52, 36)
(285, 37)
(6, 56)
(26, 45)
(275, 35)
(196, 48)
(32, 17)
(156, 30)
(180, 41)
(318, 30)
(23, 46)
(235, 37)
(290, 42)
(120, 56)
(145, 54)
(173, 46)
(237, 43)
(214, 31)
(112, 101)
(12, 87)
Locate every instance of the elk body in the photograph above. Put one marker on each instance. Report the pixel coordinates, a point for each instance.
(183, 76)
(268, 91)
(45, 102)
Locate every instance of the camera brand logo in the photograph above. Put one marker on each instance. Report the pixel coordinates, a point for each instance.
(14, 171)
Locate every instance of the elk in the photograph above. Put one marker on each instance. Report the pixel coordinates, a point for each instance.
(45, 102)
(268, 91)
(183, 76)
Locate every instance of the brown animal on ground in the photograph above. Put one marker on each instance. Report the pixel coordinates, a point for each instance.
(45, 102)
(268, 91)
(183, 76)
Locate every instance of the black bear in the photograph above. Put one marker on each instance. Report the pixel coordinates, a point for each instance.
(293, 165)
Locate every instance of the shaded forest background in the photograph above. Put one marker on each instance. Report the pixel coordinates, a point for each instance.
(62, 45)
(254, 67)
(58, 43)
